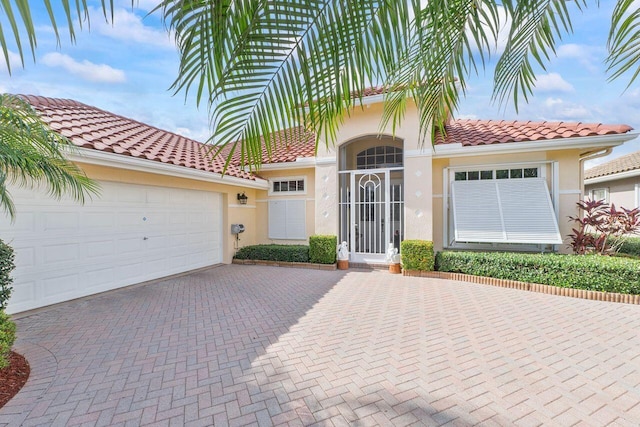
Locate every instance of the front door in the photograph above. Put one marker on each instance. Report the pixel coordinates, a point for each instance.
(371, 213)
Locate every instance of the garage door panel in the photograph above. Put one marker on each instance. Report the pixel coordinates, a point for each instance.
(65, 250)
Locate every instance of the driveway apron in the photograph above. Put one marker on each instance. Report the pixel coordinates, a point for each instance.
(254, 345)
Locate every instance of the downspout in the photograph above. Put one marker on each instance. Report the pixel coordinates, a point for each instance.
(590, 155)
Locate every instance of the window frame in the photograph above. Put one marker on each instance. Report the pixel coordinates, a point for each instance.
(606, 194)
(287, 179)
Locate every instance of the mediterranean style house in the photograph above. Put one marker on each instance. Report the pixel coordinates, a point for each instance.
(616, 181)
(166, 208)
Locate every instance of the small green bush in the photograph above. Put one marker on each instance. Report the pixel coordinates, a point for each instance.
(417, 255)
(6, 267)
(630, 246)
(285, 253)
(589, 272)
(322, 249)
(7, 338)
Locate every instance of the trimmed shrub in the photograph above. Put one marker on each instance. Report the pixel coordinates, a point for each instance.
(285, 253)
(322, 249)
(7, 338)
(6, 267)
(630, 246)
(417, 255)
(589, 272)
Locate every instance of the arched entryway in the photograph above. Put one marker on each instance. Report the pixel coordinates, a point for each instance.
(371, 198)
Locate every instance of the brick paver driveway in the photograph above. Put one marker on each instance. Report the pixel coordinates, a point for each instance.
(243, 345)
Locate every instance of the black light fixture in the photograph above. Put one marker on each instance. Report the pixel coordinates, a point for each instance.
(242, 198)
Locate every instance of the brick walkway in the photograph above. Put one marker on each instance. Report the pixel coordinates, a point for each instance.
(242, 345)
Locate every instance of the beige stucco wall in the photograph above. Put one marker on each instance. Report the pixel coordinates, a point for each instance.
(263, 197)
(364, 124)
(568, 187)
(232, 212)
(622, 192)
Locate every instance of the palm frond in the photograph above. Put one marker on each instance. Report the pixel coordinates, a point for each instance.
(31, 154)
(19, 19)
(536, 28)
(624, 41)
(277, 64)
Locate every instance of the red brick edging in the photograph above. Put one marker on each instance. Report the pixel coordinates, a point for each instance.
(533, 287)
(285, 264)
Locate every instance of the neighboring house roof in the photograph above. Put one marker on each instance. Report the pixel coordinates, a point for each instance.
(625, 163)
(486, 132)
(91, 127)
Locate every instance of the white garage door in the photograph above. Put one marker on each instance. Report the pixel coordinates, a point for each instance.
(130, 234)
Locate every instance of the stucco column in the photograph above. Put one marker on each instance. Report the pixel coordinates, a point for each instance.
(326, 196)
(418, 190)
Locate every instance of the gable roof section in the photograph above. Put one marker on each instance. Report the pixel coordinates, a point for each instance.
(290, 145)
(487, 132)
(93, 128)
(625, 163)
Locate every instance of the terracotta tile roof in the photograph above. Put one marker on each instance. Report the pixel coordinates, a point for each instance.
(91, 127)
(485, 132)
(625, 163)
(290, 144)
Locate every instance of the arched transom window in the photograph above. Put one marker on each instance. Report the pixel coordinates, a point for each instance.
(379, 157)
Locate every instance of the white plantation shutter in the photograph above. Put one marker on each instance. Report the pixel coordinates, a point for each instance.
(287, 219)
(504, 211)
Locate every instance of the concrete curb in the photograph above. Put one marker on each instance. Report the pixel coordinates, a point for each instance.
(307, 265)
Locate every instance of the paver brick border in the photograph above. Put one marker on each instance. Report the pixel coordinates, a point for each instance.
(524, 286)
(308, 265)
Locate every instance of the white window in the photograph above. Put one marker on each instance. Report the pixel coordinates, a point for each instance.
(599, 194)
(287, 219)
(504, 211)
(287, 186)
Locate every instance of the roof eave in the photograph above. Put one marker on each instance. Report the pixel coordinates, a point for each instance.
(99, 158)
(612, 177)
(591, 142)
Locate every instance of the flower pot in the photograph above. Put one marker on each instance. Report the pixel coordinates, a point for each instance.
(343, 264)
(395, 268)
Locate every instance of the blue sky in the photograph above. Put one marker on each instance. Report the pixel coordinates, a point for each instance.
(128, 67)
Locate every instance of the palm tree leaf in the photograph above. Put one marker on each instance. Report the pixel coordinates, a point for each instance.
(624, 41)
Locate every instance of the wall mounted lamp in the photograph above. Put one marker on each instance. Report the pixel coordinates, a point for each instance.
(242, 198)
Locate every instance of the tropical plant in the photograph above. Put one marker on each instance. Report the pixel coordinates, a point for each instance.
(261, 66)
(601, 228)
(32, 154)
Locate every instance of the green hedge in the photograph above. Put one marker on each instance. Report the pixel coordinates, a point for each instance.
(631, 246)
(589, 272)
(7, 338)
(287, 253)
(322, 249)
(417, 255)
(6, 267)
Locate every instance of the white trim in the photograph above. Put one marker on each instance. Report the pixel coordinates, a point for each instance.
(636, 198)
(300, 162)
(326, 160)
(437, 196)
(418, 153)
(563, 192)
(458, 150)
(606, 194)
(242, 206)
(95, 157)
(612, 177)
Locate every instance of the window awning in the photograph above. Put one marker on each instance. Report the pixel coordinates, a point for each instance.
(504, 211)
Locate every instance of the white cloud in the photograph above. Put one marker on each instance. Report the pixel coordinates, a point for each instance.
(98, 73)
(588, 56)
(128, 27)
(14, 60)
(551, 102)
(552, 82)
